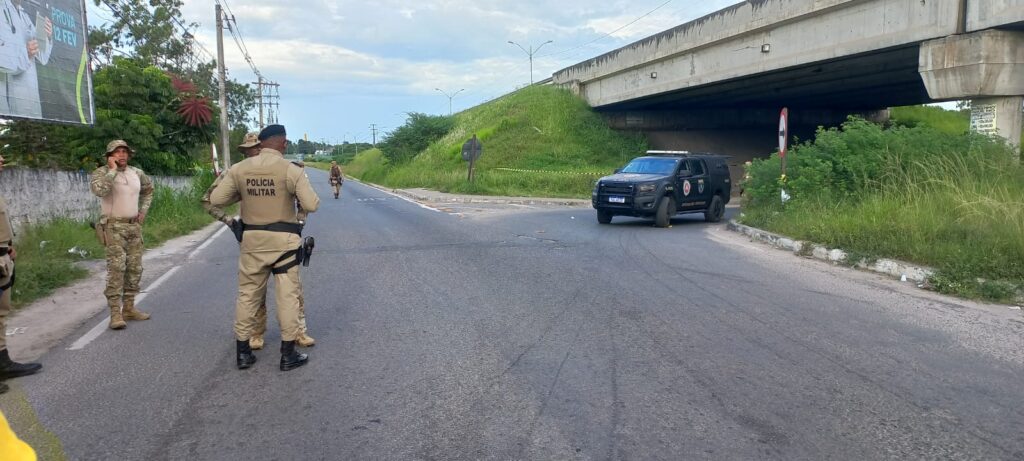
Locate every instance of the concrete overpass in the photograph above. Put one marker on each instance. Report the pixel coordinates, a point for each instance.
(718, 82)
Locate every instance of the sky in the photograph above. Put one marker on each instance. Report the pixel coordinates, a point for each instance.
(344, 66)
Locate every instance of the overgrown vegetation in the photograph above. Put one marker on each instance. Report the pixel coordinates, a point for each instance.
(945, 121)
(931, 196)
(539, 141)
(47, 253)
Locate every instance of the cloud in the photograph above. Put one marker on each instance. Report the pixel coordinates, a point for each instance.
(328, 53)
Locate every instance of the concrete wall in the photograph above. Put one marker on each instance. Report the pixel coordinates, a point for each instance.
(983, 14)
(35, 196)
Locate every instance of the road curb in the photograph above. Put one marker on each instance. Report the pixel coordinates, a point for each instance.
(890, 267)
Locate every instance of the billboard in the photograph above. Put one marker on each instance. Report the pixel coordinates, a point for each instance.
(44, 61)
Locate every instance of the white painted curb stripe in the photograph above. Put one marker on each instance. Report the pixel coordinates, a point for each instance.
(407, 199)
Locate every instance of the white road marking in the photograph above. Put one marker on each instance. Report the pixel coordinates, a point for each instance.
(98, 330)
(207, 242)
(412, 201)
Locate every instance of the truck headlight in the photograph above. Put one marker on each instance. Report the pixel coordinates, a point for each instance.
(646, 188)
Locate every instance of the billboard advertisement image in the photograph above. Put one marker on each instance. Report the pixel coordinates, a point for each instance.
(44, 61)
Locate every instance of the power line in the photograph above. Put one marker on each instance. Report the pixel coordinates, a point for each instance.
(236, 34)
(607, 34)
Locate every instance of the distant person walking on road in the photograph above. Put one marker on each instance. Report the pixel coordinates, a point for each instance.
(8, 368)
(337, 177)
(250, 147)
(268, 187)
(125, 194)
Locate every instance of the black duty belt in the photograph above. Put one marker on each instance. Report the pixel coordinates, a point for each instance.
(292, 228)
(4, 251)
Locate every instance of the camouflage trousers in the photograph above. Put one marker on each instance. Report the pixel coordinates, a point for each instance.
(124, 261)
(6, 272)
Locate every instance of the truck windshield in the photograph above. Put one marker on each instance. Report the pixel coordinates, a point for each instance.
(662, 166)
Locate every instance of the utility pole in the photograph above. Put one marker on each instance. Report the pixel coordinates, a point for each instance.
(267, 99)
(259, 90)
(225, 142)
(373, 128)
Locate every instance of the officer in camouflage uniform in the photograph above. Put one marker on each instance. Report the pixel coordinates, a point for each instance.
(250, 147)
(268, 186)
(8, 368)
(125, 194)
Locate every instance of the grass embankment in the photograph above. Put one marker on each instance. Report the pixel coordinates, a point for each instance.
(47, 252)
(936, 197)
(540, 141)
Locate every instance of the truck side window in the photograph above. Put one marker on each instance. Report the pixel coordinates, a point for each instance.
(696, 167)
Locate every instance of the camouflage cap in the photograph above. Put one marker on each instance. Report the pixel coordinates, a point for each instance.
(251, 140)
(113, 145)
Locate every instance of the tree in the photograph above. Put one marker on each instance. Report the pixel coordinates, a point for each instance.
(419, 131)
(134, 102)
(160, 99)
(147, 27)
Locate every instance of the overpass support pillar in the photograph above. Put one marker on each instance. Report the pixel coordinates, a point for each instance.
(985, 67)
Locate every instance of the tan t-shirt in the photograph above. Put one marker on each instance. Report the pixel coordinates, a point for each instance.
(120, 191)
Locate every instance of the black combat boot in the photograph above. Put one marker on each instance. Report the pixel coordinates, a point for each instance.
(289, 358)
(12, 369)
(244, 355)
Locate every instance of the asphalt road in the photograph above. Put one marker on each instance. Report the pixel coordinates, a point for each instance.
(490, 332)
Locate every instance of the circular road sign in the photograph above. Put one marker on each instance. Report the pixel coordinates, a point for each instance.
(783, 131)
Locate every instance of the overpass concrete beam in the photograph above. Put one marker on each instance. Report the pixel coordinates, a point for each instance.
(730, 118)
(978, 64)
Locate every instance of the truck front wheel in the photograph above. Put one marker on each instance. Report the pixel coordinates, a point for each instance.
(604, 216)
(666, 209)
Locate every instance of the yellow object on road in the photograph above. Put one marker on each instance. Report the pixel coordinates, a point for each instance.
(11, 447)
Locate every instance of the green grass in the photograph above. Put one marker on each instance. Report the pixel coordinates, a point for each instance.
(544, 129)
(946, 121)
(954, 202)
(47, 252)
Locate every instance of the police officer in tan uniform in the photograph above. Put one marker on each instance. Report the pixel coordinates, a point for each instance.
(336, 177)
(268, 186)
(250, 147)
(8, 367)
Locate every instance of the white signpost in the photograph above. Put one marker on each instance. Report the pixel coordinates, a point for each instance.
(783, 141)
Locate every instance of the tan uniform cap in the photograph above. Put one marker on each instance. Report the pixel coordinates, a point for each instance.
(251, 140)
(113, 145)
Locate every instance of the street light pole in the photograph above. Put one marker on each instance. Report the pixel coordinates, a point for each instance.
(450, 96)
(530, 54)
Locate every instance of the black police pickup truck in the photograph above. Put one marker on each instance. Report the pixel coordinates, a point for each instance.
(662, 184)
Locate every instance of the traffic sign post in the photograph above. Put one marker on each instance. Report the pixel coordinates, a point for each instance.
(471, 150)
(783, 137)
(783, 141)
